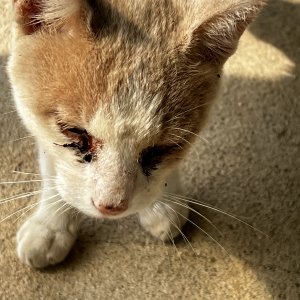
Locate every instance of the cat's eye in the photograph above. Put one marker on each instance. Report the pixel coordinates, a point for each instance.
(80, 141)
(151, 157)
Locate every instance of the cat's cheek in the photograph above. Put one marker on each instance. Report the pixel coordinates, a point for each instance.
(148, 190)
(160, 183)
(75, 188)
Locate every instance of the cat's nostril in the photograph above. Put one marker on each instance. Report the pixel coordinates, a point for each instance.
(111, 210)
(110, 207)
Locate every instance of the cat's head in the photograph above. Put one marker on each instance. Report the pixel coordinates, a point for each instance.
(116, 92)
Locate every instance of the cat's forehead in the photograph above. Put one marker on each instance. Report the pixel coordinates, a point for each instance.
(98, 85)
(80, 75)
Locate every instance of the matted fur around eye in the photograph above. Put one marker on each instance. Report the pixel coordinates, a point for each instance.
(85, 145)
(151, 157)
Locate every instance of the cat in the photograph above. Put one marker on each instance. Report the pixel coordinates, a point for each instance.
(115, 93)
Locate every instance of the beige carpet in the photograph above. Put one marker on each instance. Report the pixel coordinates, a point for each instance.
(250, 167)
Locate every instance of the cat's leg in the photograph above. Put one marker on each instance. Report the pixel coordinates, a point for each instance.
(164, 219)
(48, 235)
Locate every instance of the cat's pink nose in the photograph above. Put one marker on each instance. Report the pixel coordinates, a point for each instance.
(110, 210)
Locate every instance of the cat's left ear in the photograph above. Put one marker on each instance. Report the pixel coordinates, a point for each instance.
(216, 38)
(33, 15)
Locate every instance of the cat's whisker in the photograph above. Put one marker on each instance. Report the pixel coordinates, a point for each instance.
(206, 233)
(52, 203)
(173, 142)
(42, 201)
(194, 149)
(22, 138)
(190, 132)
(173, 210)
(53, 214)
(43, 177)
(163, 243)
(177, 227)
(9, 112)
(69, 207)
(186, 240)
(33, 174)
(23, 214)
(171, 237)
(61, 208)
(26, 173)
(174, 118)
(19, 210)
(189, 110)
(195, 211)
(26, 181)
(15, 197)
(182, 138)
(74, 214)
(24, 195)
(169, 233)
(67, 167)
(47, 206)
(209, 206)
(49, 198)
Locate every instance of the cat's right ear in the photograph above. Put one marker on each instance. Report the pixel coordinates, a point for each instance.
(215, 39)
(32, 15)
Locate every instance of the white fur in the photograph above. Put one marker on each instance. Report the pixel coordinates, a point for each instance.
(164, 219)
(48, 235)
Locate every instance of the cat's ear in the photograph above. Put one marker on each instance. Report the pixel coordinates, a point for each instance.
(32, 15)
(216, 38)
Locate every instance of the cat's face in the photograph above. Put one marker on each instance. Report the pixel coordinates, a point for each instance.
(115, 108)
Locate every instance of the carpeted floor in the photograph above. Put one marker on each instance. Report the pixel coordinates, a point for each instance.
(249, 167)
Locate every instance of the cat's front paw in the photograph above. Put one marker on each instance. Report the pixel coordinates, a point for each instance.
(164, 220)
(40, 245)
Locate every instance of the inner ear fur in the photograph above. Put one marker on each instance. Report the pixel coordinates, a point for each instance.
(26, 12)
(32, 15)
(216, 39)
